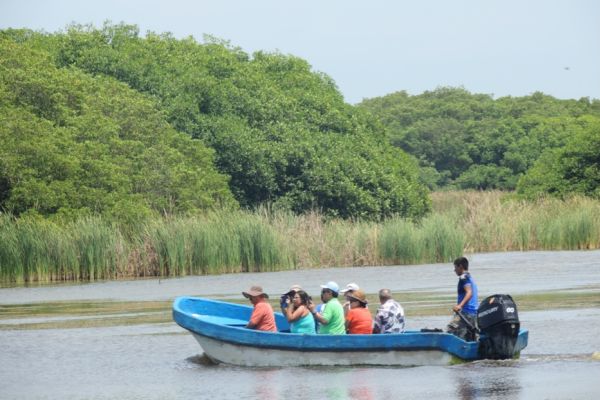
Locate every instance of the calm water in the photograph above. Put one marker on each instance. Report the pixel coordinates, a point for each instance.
(162, 361)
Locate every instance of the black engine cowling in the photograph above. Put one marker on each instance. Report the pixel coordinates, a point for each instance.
(498, 322)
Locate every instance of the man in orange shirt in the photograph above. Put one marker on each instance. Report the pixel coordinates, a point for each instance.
(262, 317)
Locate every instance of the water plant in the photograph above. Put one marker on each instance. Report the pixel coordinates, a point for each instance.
(35, 249)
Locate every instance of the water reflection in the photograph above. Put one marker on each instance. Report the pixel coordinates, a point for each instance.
(360, 384)
(266, 387)
(333, 383)
(351, 384)
(487, 380)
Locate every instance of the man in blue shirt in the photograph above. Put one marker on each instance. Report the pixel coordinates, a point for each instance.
(466, 303)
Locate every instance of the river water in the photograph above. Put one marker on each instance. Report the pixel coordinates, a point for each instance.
(163, 361)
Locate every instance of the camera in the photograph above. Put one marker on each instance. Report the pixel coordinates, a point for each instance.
(283, 300)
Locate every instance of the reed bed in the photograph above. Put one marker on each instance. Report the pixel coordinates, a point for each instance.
(496, 221)
(215, 243)
(41, 250)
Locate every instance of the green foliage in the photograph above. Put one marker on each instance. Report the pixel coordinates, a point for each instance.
(442, 240)
(573, 168)
(280, 131)
(485, 177)
(215, 243)
(33, 248)
(472, 141)
(96, 248)
(497, 221)
(399, 243)
(436, 239)
(570, 229)
(74, 145)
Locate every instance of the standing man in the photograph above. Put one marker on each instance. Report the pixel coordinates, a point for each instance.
(466, 302)
(262, 317)
(331, 321)
(390, 314)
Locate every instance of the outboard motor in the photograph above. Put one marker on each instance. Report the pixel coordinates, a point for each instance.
(499, 325)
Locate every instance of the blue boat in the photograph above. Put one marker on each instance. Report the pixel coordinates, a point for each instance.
(219, 328)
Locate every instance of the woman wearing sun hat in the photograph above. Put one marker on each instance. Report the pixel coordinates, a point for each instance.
(262, 318)
(351, 287)
(358, 318)
(298, 314)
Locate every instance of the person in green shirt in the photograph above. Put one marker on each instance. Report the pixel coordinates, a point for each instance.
(331, 319)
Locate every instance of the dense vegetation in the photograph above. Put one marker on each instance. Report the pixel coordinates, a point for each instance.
(105, 121)
(125, 156)
(75, 144)
(280, 132)
(536, 144)
(34, 249)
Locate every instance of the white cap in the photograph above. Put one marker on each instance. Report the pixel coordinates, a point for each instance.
(331, 285)
(350, 287)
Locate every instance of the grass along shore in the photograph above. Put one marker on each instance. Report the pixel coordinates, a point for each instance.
(33, 249)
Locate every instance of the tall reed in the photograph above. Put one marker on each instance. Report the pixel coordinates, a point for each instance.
(217, 242)
(495, 221)
(436, 239)
(399, 242)
(96, 244)
(571, 228)
(443, 239)
(313, 241)
(35, 249)
(11, 266)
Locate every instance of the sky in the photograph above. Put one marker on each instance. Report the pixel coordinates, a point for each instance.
(376, 47)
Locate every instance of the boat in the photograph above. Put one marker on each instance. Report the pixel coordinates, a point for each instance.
(219, 328)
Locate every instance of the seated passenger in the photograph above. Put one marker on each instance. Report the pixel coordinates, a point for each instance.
(262, 318)
(390, 314)
(331, 320)
(349, 289)
(283, 300)
(319, 308)
(347, 292)
(298, 314)
(358, 318)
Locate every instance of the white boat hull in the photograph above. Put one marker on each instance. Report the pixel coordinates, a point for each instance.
(236, 354)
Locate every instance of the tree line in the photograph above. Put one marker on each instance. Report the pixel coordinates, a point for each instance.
(107, 121)
(536, 145)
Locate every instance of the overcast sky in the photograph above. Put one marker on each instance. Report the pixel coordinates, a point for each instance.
(372, 48)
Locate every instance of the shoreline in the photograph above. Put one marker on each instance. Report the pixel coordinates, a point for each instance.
(94, 314)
